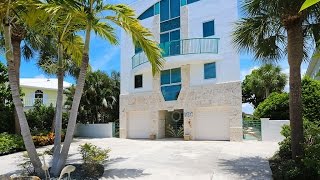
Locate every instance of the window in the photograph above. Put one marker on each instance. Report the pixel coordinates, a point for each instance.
(170, 43)
(148, 13)
(171, 84)
(210, 70)
(208, 29)
(185, 2)
(170, 25)
(138, 81)
(38, 96)
(169, 9)
(157, 8)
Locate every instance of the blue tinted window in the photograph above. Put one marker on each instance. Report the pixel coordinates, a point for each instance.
(157, 8)
(171, 93)
(208, 29)
(165, 77)
(169, 25)
(175, 75)
(148, 13)
(183, 2)
(192, 1)
(165, 44)
(164, 9)
(209, 70)
(174, 8)
(175, 43)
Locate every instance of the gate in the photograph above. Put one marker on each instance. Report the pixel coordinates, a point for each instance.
(252, 130)
(115, 128)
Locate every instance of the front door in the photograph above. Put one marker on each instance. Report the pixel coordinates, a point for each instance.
(174, 124)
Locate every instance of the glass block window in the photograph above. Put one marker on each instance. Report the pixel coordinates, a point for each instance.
(208, 29)
(210, 71)
(169, 25)
(138, 81)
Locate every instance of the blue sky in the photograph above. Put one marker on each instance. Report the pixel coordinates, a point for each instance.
(105, 57)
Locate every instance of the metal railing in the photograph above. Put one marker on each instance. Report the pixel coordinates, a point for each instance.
(181, 47)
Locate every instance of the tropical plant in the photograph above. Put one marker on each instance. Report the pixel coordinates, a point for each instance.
(258, 85)
(99, 101)
(272, 29)
(6, 10)
(122, 15)
(308, 3)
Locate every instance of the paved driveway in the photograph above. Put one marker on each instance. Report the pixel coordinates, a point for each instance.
(177, 159)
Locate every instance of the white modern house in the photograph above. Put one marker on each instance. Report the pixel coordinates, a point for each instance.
(198, 92)
(40, 89)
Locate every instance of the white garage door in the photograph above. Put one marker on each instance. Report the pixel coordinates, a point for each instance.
(212, 124)
(139, 124)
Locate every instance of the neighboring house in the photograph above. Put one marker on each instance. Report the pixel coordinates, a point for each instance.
(314, 68)
(198, 92)
(41, 89)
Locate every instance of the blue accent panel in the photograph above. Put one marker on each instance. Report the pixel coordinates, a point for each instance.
(176, 75)
(148, 13)
(169, 25)
(174, 8)
(210, 70)
(171, 93)
(208, 29)
(157, 8)
(165, 77)
(164, 9)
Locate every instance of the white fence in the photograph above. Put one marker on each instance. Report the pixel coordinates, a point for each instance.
(94, 130)
(270, 129)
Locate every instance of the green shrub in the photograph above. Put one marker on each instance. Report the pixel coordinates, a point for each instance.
(276, 106)
(10, 143)
(311, 99)
(282, 164)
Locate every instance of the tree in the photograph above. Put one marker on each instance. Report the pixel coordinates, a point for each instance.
(99, 101)
(261, 83)
(272, 29)
(5, 9)
(121, 15)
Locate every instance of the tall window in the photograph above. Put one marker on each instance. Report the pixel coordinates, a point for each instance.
(208, 29)
(138, 81)
(210, 71)
(38, 96)
(171, 84)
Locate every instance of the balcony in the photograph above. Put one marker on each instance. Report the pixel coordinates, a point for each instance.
(181, 47)
(29, 102)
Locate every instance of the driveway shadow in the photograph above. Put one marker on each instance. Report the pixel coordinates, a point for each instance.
(124, 173)
(247, 167)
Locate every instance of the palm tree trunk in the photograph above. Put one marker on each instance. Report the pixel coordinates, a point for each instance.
(25, 131)
(56, 168)
(295, 56)
(16, 42)
(58, 114)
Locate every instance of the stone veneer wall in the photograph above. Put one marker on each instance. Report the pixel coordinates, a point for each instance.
(215, 95)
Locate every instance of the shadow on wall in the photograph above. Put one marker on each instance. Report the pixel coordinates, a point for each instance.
(247, 167)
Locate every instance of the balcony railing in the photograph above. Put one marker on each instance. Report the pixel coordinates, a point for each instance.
(181, 47)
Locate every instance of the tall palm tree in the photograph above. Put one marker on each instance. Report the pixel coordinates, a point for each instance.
(272, 29)
(93, 15)
(5, 13)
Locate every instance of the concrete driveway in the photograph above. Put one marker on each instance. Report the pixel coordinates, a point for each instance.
(176, 159)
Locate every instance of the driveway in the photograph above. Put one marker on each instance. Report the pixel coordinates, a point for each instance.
(175, 159)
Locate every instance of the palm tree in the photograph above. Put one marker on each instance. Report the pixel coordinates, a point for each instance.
(272, 29)
(258, 85)
(5, 12)
(123, 16)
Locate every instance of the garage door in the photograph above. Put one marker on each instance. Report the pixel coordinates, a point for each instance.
(212, 124)
(139, 124)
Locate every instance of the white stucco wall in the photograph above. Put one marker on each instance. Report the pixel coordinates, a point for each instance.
(94, 130)
(270, 129)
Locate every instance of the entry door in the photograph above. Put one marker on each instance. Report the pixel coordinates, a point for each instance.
(212, 124)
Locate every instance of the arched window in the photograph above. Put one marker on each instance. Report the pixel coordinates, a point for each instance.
(38, 96)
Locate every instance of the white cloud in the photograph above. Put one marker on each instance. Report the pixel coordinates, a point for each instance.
(247, 108)
(40, 76)
(101, 62)
(247, 72)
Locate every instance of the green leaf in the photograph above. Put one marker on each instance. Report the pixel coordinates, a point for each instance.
(308, 3)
